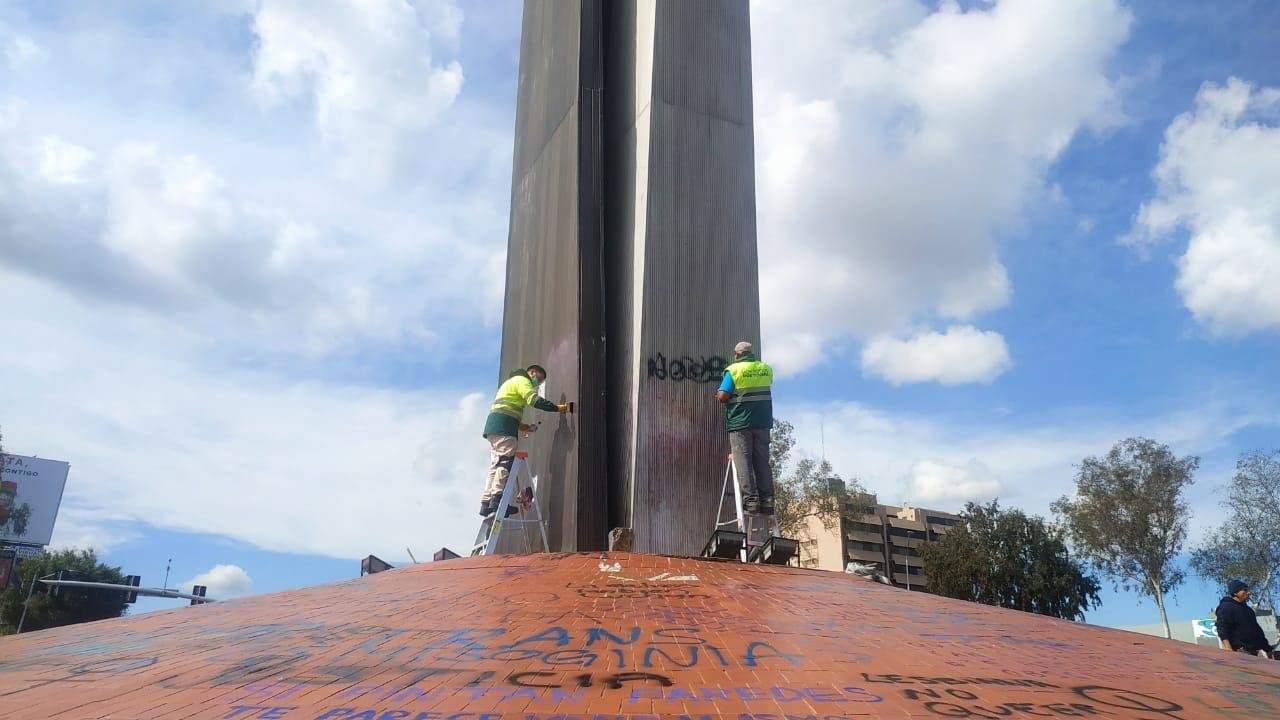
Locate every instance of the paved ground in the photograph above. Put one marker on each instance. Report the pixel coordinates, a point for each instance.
(563, 636)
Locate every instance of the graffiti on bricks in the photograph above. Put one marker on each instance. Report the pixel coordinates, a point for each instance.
(943, 708)
(894, 679)
(643, 688)
(259, 712)
(418, 654)
(637, 591)
(955, 702)
(958, 703)
(379, 714)
(539, 679)
(1128, 700)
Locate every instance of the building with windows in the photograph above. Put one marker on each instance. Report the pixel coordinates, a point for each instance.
(887, 538)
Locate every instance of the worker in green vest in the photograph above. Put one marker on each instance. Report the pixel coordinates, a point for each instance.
(748, 416)
(503, 426)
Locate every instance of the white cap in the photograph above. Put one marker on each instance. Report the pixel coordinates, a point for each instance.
(743, 347)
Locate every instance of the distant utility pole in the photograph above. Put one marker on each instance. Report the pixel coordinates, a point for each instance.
(27, 602)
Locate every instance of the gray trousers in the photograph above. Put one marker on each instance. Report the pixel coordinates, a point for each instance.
(750, 450)
(502, 452)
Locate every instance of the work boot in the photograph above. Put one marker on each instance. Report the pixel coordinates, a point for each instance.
(486, 508)
(751, 506)
(766, 506)
(512, 509)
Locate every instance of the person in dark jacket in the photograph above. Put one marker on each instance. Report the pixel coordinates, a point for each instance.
(1237, 625)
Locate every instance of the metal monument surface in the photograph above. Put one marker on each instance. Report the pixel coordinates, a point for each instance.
(631, 267)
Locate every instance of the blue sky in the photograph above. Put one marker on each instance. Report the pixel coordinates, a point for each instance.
(251, 259)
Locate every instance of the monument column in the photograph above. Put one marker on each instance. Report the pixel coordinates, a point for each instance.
(632, 257)
(554, 305)
(681, 249)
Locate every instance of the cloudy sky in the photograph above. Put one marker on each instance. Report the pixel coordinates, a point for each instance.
(251, 258)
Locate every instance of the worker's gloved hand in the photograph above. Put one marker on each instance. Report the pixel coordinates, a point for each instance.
(562, 408)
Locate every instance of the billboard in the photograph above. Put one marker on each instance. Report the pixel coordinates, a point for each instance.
(30, 493)
(1204, 628)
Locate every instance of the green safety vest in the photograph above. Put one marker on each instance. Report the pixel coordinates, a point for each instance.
(751, 404)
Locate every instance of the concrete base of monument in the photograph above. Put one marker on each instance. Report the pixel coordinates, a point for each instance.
(614, 635)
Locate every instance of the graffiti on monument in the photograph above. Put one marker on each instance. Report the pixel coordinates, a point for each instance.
(704, 369)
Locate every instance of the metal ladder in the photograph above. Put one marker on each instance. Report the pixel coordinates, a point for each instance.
(524, 496)
(755, 529)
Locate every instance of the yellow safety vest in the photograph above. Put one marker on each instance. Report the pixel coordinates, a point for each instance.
(751, 404)
(514, 396)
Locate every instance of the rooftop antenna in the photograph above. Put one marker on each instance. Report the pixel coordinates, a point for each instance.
(411, 557)
(822, 439)
(168, 564)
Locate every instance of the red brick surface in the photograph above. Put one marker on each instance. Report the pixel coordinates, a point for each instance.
(607, 635)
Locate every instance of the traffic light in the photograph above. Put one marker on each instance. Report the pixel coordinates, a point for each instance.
(199, 590)
(132, 581)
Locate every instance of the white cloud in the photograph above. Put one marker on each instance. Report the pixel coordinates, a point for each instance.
(99, 528)
(228, 282)
(367, 65)
(963, 354)
(895, 145)
(10, 112)
(155, 434)
(126, 186)
(171, 234)
(173, 217)
(167, 233)
(951, 485)
(61, 161)
(1219, 177)
(21, 50)
(1028, 461)
(222, 582)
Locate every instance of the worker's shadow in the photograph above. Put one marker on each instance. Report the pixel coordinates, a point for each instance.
(558, 469)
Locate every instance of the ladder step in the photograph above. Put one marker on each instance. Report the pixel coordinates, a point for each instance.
(750, 537)
(514, 495)
(724, 544)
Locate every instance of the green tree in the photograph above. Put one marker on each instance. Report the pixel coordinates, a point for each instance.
(811, 490)
(781, 441)
(1247, 544)
(1129, 518)
(70, 605)
(1004, 557)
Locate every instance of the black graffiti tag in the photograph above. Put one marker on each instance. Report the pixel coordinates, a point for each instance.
(685, 368)
(1128, 700)
(639, 591)
(613, 682)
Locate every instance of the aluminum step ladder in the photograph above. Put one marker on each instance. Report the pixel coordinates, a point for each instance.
(751, 537)
(521, 492)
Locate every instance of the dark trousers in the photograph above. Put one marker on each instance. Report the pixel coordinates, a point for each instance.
(750, 450)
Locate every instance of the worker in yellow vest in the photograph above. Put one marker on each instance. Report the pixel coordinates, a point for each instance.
(746, 395)
(503, 426)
